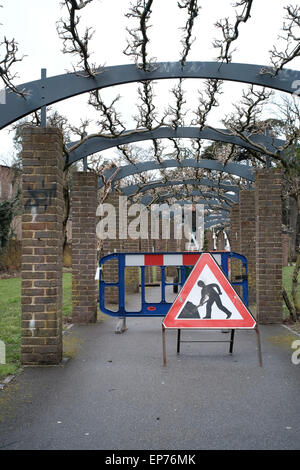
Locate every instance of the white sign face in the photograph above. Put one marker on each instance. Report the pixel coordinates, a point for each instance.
(209, 299)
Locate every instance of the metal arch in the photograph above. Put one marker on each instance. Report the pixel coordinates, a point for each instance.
(214, 204)
(216, 223)
(213, 217)
(233, 199)
(135, 189)
(50, 90)
(235, 169)
(146, 200)
(98, 144)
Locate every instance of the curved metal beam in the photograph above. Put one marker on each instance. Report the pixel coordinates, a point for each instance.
(235, 169)
(211, 218)
(50, 90)
(208, 204)
(233, 199)
(134, 189)
(98, 144)
(216, 223)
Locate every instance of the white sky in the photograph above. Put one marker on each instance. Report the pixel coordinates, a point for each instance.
(33, 24)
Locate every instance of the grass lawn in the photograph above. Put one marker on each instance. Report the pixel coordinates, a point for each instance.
(10, 318)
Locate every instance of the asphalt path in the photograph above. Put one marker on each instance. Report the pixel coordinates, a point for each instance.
(115, 393)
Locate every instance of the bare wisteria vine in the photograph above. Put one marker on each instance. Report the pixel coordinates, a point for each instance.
(291, 37)
(72, 42)
(137, 46)
(9, 49)
(193, 11)
(230, 32)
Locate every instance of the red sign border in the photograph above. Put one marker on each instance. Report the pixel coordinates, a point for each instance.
(247, 322)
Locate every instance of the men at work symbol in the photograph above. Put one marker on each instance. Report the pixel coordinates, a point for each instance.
(210, 295)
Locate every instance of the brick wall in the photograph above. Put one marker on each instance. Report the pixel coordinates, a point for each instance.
(84, 247)
(119, 245)
(269, 245)
(209, 239)
(235, 242)
(247, 238)
(42, 200)
(220, 241)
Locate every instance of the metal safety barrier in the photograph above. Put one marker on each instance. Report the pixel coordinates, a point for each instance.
(181, 260)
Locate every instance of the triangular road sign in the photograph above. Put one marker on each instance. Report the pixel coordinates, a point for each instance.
(208, 300)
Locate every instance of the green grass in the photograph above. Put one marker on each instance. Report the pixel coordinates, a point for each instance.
(10, 323)
(10, 318)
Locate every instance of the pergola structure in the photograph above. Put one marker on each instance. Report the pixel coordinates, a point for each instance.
(254, 214)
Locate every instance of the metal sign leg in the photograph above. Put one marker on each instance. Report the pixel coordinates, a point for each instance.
(163, 330)
(231, 341)
(178, 341)
(258, 346)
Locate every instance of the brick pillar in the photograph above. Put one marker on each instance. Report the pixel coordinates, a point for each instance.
(84, 248)
(110, 270)
(235, 243)
(172, 246)
(132, 273)
(235, 228)
(42, 198)
(268, 245)
(247, 238)
(220, 241)
(209, 238)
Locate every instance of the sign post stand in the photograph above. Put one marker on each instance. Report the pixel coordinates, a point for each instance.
(208, 301)
(258, 345)
(163, 330)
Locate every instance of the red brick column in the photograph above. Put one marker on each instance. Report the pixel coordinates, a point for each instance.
(235, 228)
(235, 243)
(209, 239)
(172, 246)
(220, 241)
(110, 269)
(42, 198)
(132, 245)
(247, 238)
(84, 248)
(268, 245)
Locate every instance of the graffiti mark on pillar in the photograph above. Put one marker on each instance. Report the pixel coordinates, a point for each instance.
(41, 197)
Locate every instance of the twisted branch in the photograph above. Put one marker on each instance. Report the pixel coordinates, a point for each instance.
(231, 32)
(72, 42)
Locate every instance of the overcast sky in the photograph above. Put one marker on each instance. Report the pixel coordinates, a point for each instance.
(33, 24)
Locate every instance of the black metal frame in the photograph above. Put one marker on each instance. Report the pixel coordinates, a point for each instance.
(231, 340)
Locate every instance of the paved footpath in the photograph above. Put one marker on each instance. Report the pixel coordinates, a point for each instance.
(115, 393)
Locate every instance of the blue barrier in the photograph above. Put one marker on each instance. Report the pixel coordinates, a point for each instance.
(179, 259)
